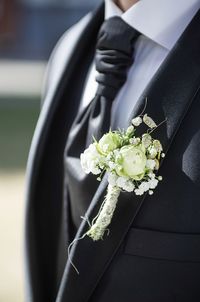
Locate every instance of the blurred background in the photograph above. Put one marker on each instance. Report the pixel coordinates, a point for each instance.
(29, 29)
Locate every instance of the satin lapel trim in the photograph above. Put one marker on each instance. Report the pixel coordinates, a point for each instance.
(170, 95)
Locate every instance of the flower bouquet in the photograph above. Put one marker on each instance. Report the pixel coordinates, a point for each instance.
(131, 163)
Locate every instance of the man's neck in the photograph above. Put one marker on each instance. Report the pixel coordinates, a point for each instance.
(125, 4)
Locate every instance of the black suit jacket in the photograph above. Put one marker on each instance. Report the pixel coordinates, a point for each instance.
(153, 250)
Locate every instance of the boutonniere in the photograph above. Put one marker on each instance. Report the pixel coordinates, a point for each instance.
(131, 163)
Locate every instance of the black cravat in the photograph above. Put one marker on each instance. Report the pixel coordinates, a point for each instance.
(113, 58)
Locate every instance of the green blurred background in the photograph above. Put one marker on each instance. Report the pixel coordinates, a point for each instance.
(17, 122)
(28, 31)
(15, 141)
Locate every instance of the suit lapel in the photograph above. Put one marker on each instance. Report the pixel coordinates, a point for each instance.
(170, 94)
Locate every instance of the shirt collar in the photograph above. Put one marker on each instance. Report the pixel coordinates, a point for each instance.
(163, 21)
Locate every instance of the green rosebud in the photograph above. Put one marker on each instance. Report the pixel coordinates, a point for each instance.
(109, 142)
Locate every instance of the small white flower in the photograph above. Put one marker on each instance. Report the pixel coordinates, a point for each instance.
(138, 192)
(160, 178)
(101, 165)
(112, 179)
(146, 140)
(94, 168)
(144, 186)
(152, 152)
(134, 141)
(149, 121)
(150, 192)
(125, 184)
(129, 186)
(151, 175)
(162, 155)
(129, 130)
(150, 164)
(136, 121)
(120, 181)
(111, 165)
(153, 183)
(90, 160)
(157, 145)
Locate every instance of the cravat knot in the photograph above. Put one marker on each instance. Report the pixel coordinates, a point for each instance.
(114, 55)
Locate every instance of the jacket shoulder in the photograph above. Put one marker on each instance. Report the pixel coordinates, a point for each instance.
(62, 53)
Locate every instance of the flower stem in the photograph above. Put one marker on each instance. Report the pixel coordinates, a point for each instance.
(104, 217)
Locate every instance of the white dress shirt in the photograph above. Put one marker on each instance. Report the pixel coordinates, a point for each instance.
(161, 23)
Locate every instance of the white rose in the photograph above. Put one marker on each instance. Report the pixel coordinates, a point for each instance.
(132, 161)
